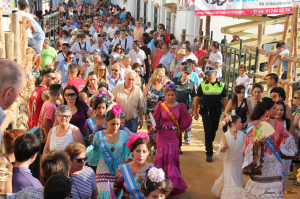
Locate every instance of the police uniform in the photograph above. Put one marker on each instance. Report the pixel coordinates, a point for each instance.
(211, 103)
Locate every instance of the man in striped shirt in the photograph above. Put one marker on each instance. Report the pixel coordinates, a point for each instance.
(130, 98)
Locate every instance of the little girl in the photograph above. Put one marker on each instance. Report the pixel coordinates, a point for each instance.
(230, 184)
(96, 52)
(123, 124)
(155, 185)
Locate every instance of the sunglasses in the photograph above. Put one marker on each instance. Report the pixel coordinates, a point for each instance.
(70, 57)
(119, 48)
(79, 160)
(59, 45)
(102, 70)
(137, 71)
(70, 94)
(53, 78)
(114, 70)
(64, 116)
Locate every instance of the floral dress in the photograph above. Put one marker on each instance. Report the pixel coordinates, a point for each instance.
(120, 184)
(297, 158)
(153, 97)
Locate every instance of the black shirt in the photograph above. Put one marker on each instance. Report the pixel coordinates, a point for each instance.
(184, 91)
(147, 52)
(211, 101)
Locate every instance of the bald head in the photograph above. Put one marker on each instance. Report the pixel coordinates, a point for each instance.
(12, 81)
(97, 58)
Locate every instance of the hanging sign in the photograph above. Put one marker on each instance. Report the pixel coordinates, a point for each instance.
(242, 7)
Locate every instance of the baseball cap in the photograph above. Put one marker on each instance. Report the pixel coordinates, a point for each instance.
(187, 69)
(175, 47)
(210, 70)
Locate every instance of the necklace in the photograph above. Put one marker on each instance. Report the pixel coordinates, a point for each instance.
(112, 149)
(235, 137)
(63, 131)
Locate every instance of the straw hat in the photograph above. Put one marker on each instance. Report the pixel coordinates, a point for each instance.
(181, 52)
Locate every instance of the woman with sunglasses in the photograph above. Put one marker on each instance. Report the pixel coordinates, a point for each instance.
(108, 151)
(101, 70)
(80, 110)
(139, 80)
(63, 67)
(58, 46)
(63, 133)
(83, 177)
(117, 52)
(65, 37)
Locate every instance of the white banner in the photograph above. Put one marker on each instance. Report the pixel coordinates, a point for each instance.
(242, 7)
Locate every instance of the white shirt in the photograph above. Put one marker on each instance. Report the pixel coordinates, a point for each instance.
(60, 56)
(124, 69)
(76, 48)
(71, 27)
(87, 39)
(148, 30)
(2, 117)
(111, 31)
(192, 57)
(95, 46)
(245, 80)
(90, 69)
(128, 45)
(138, 57)
(216, 57)
(27, 15)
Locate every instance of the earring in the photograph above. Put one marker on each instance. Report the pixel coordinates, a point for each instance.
(266, 116)
(234, 129)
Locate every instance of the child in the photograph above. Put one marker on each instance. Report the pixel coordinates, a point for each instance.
(230, 184)
(155, 185)
(123, 124)
(281, 50)
(83, 96)
(96, 52)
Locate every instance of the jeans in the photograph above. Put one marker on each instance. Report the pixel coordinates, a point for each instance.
(132, 124)
(187, 134)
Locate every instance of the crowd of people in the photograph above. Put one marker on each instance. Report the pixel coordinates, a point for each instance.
(107, 77)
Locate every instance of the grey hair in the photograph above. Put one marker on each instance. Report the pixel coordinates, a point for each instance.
(63, 108)
(83, 49)
(198, 44)
(125, 57)
(129, 71)
(47, 40)
(119, 59)
(12, 75)
(85, 58)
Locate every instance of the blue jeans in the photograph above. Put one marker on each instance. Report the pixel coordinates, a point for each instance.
(187, 134)
(132, 124)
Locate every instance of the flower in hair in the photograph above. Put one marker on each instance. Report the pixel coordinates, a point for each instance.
(229, 118)
(116, 109)
(170, 86)
(133, 137)
(103, 95)
(156, 175)
(274, 96)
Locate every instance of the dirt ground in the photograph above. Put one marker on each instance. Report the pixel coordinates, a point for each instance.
(200, 175)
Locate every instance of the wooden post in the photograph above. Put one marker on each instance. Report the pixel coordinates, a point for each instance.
(295, 54)
(200, 30)
(292, 45)
(207, 27)
(2, 37)
(183, 36)
(270, 70)
(259, 43)
(24, 40)
(15, 28)
(9, 43)
(2, 184)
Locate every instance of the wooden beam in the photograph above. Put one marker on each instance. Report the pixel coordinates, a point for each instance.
(270, 70)
(207, 27)
(183, 35)
(286, 28)
(9, 43)
(24, 40)
(259, 42)
(15, 28)
(200, 30)
(250, 17)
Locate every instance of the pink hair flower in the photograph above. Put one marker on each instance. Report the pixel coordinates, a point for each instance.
(133, 137)
(116, 109)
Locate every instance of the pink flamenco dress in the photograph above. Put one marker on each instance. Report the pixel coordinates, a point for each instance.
(167, 143)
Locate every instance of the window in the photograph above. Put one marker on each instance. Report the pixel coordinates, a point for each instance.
(155, 18)
(168, 22)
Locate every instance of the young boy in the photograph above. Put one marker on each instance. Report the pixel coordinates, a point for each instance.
(281, 49)
(47, 117)
(74, 80)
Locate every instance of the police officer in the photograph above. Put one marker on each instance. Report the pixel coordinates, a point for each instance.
(212, 91)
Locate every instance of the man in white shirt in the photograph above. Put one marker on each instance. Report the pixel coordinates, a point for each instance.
(125, 64)
(103, 49)
(148, 27)
(80, 44)
(190, 54)
(125, 43)
(215, 58)
(111, 31)
(80, 31)
(62, 55)
(68, 26)
(138, 55)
